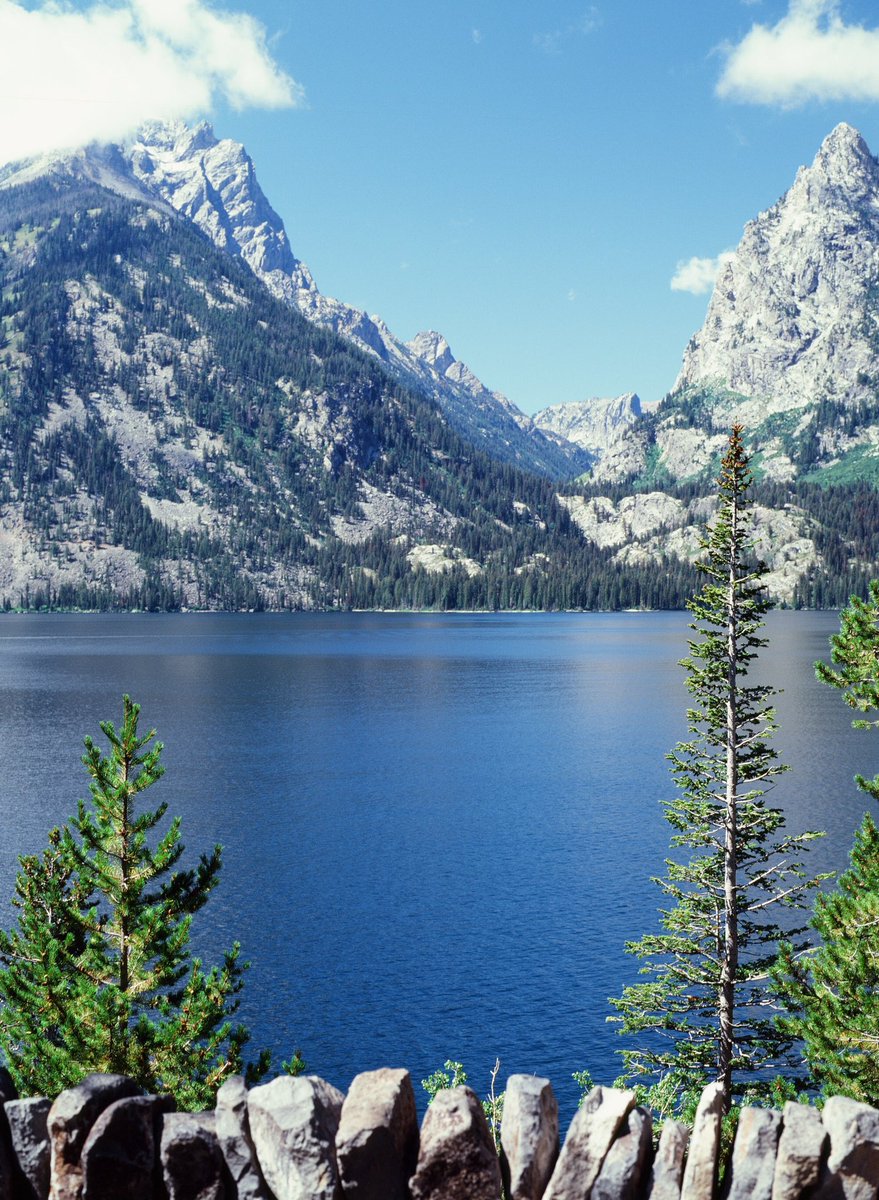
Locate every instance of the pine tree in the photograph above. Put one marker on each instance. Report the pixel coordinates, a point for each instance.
(834, 990)
(98, 976)
(703, 1013)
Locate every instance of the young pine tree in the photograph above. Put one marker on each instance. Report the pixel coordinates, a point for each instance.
(834, 991)
(703, 1013)
(98, 976)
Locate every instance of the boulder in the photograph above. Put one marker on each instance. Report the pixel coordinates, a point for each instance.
(852, 1171)
(801, 1151)
(293, 1123)
(626, 1162)
(29, 1135)
(700, 1173)
(71, 1118)
(192, 1164)
(236, 1143)
(593, 1129)
(8, 1091)
(118, 1159)
(529, 1137)
(377, 1139)
(752, 1169)
(667, 1171)
(457, 1159)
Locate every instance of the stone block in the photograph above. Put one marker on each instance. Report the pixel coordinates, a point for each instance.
(29, 1134)
(377, 1139)
(71, 1118)
(590, 1136)
(700, 1173)
(752, 1169)
(192, 1163)
(627, 1161)
(236, 1142)
(457, 1159)
(529, 1137)
(293, 1123)
(802, 1149)
(667, 1172)
(119, 1158)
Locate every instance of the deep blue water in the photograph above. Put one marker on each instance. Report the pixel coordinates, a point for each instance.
(439, 831)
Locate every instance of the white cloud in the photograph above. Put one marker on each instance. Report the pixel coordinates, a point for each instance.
(71, 76)
(698, 275)
(810, 54)
(552, 41)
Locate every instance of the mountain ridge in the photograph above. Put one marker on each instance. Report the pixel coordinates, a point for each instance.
(212, 182)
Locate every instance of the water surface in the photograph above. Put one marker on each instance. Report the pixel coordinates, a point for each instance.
(439, 831)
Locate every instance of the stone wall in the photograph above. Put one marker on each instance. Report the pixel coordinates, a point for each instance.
(301, 1139)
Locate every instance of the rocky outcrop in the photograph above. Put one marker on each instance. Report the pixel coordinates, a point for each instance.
(792, 317)
(596, 425)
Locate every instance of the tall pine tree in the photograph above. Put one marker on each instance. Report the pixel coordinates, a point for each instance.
(834, 990)
(98, 975)
(704, 1013)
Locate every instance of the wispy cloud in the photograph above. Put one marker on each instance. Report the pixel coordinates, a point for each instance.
(698, 275)
(476, 37)
(810, 54)
(551, 41)
(68, 77)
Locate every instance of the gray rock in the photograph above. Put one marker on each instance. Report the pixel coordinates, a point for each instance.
(236, 1142)
(592, 1131)
(8, 1091)
(668, 1165)
(752, 1169)
(192, 1164)
(377, 1140)
(625, 1165)
(118, 1159)
(801, 1151)
(457, 1159)
(700, 1173)
(293, 1123)
(852, 1171)
(529, 1137)
(30, 1144)
(70, 1121)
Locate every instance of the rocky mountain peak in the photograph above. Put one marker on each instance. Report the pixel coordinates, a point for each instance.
(843, 155)
(596, 425)
(791, 319)
(431, 347)
(176, 136)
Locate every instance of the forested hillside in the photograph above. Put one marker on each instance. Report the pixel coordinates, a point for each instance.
(172, 435)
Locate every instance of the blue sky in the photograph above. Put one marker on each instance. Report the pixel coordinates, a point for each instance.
(525, 177)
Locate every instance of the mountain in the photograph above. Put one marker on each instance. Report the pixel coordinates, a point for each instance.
(601, 427)
(790, 343)
(174, 435)
(186, 421)
(213, 184)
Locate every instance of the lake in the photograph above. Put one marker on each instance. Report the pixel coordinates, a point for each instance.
(439, 831)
